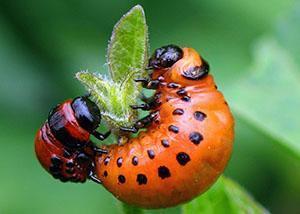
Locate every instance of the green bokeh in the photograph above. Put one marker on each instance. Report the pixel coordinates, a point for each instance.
(43, 44)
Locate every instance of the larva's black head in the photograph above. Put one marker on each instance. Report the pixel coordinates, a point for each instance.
(165, 57)
(86, 113)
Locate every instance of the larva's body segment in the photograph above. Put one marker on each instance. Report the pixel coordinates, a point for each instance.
(183, 151)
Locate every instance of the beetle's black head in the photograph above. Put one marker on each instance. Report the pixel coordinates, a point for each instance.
(165, 57)
(86, 113)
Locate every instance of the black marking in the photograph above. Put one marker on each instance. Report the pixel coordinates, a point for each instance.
(56, 175)
(135, 160)
(163, 172)
(122, 179)
(70, 171)
(196, 72)
(178, 111)
(63, 179)
(106, 161)
(70, 164)
(196, 138)
(165, 143)
(173, 129)
(173, 85)
(57, 122)
(181, 92)
(165, 57)
(186, 98)
(141, 179)
(183, 158)
(151, 153)
(82, 158)
(105, 174)
(56, 160)
(199, 115)
(86, 113)
(119, 162)
(54, 169)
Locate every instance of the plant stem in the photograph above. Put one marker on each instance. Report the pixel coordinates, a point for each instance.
(128, 209)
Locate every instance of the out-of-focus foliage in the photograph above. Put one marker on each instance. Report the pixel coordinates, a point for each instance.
(224, 197)
(269, 96)
(44, 43)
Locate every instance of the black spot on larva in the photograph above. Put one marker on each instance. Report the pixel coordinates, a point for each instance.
(70, 171)
(216, 87)
(141, 179)
(181, 92)
(226, 103)
(56, 160)
(135, 160)
(183, 158)
(70, 164)
(105, 174)
(165, 143)
(122, 179)
(199, 115)
(106, 161)
(186, 98)
(119, 162)
(151, 153)
(54, 169)
(173, 85)
(196, 138)
(163, 172)
(82, 158)
(178, 111)
(173, 128)
(56, 176)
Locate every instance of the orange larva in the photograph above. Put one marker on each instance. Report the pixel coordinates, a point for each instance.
(187, 143)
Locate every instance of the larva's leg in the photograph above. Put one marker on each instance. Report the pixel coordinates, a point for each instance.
(142, 123)
(143, 106)
(92, 176)
(96, 149)
(147, 83)
(129, 129)
(100, 136)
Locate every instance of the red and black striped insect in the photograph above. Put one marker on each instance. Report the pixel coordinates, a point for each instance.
(63, 144)
(188, 138)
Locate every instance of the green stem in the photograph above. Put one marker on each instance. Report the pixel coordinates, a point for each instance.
(128, 209)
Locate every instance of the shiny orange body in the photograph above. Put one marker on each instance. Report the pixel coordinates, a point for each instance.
(169, 164)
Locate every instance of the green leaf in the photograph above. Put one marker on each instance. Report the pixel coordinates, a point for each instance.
(224, 197)
(127, 50)
(127, 54)
(269, 96)
(112, 98)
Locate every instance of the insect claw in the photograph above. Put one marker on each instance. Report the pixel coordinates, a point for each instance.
(129, 129)
(143, 106)
(94, 178)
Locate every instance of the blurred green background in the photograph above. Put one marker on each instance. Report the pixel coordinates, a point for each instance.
(43, 44)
